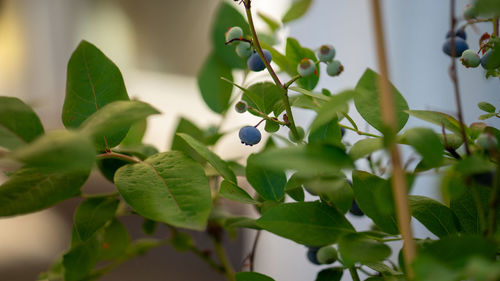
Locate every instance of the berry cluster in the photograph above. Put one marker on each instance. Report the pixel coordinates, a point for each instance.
(244, 49)
(325, 54)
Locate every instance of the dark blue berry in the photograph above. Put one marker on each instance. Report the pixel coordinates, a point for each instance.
(256, 64)
(485, 178)
(249, 135)
(312, 255)
(355, 210)
(460, 46)
(460, 33)
(342, 131)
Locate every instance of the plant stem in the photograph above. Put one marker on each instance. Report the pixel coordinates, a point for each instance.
(357, 131)
(454, 78)
(254, 249)
(120, 156)
(495, 25)
(294, 78)
(354, 273)
(283, 89)
(221, 254)
(265, 116)
(207, 259)
(387, 107)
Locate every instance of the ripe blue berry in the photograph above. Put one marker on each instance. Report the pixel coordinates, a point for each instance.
(470, 58)
(488, 63)
(460, 46)
(300, 132)
(256, 64)
(334, 68)
(244, 50)
(312, 255)
(249, 135)
(241, 106)
(306, 67)
(327, 255)
(234, 32)
(326, 53)
(460, 33)
(355, 210)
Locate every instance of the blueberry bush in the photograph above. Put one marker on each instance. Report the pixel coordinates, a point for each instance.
(181, 188)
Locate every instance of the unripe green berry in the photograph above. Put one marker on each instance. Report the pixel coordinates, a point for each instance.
(469, 58)
(234, 32)
(301, 133)
(334, 68)
(327, 255)
(244, 50)
(470, 13)
(488, 63)
(326, 53)
(306, 67)
(241, 106)
(487, 141)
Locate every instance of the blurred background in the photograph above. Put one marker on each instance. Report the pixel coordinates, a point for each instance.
(159, 46)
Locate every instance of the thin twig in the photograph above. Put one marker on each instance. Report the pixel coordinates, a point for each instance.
(399, 185)
(120, 156)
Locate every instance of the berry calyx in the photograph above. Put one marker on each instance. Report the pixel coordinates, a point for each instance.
(256, 64)
(327, 255)
(244, 50)
(326, 53)
(460, 46)
(234, 32)
(300, 132)
(249, 135)
(306, 67)
(469, 58)
(241, 106)
(334, 68)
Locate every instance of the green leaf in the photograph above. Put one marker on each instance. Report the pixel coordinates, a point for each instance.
(262, 96)
(297, 10)
(178, 143)
(270, 184)
(487, 7)
(438, 118)
(309, 93)
(214, 91)
(168, 187)
(486, 106)
(135, 133)
(252, 276)
(227, 16)
(374, 197)
(31, 189)
(367, 102)
(329, 110)
(436, 217)
(309, 159)
(474, 164)
(334, 190)
(231, 191)
(92, 214)
(93, 81)
(427, 144)
(365, 147)
(149, 226)
(308, 223)
(294, 187)
(81, 259)
(330, 274)
(431, 269)
(182, 241)
(65, 150)
(115, 117)
(355, 247)
(271, 23)
(242, 222)
(212, 158)
(115, 242)
(486, 116)
(295, 53)
(19, 124)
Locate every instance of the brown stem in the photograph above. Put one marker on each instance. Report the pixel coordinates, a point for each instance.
(454, 77)
(389, 117)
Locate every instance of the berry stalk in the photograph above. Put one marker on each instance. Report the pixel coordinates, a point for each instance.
(283, 89)
(399, 187)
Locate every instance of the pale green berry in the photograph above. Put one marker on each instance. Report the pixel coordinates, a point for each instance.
(327, 255)
(469, 58)
(334, 68)
(486, 141)
(271, 126)
(326, 53)
(244, 50)
(300, 132)
(470, 13)
(234, 32)
(306, 67)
